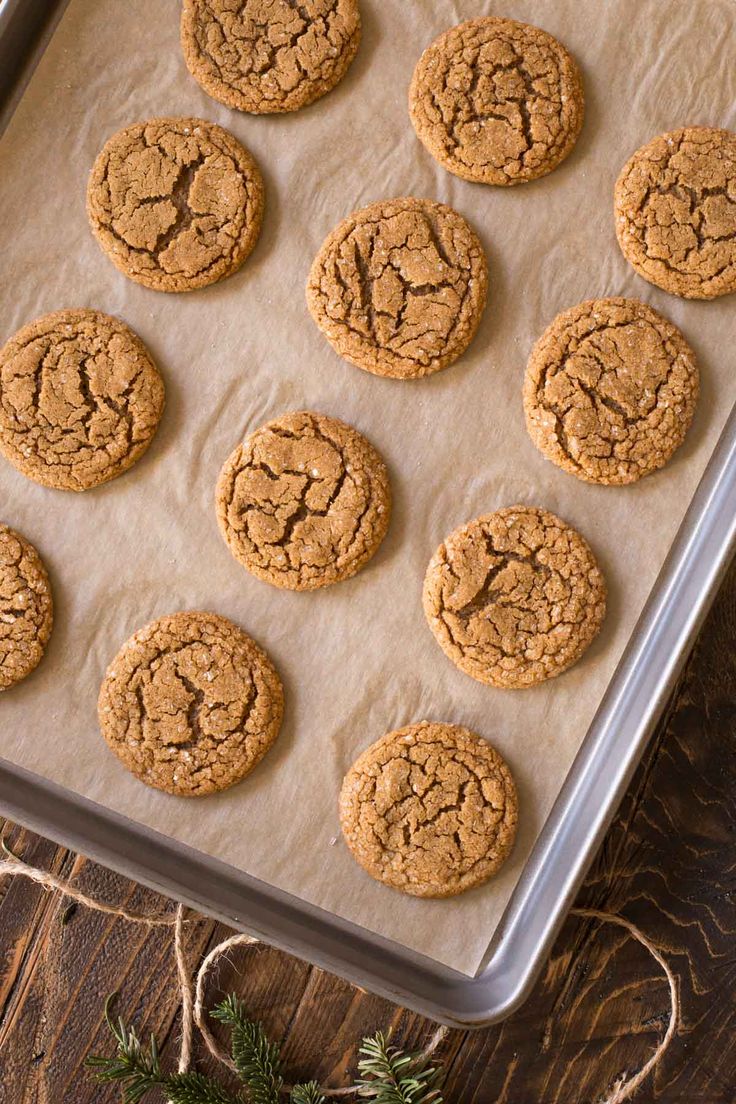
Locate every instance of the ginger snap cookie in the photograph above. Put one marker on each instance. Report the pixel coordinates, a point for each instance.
(430, 810)
(497, 101)
(26, 607)
(398, 288)
(304, 502)
(514, 597)
(269, 55)
(80, 399)
(675, 210)
(190, 704)
(176, 204)
(610, 390)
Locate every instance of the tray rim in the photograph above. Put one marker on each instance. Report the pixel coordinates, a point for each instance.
(590, 796)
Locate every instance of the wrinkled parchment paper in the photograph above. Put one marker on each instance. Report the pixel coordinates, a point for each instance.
(357, 659)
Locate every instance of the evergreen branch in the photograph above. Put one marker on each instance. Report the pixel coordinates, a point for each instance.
(139, 1071)
(257, 1061)
(309, 1093)
(391, 1076)
(195, 1088)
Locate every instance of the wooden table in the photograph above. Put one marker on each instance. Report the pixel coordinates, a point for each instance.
(668, 864)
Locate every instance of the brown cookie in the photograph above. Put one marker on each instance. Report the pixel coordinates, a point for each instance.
(175, 203)
(675, 210)
(26, 608)
(304, 502)
(399, 287)
(429, 809)
(610, 390)
(497, 101)
(514, 597)
(269, 55)
(190, 704)
(80, 399)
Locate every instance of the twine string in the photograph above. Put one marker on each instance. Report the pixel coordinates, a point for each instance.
(625, 1088)
(200, 1019)
(192, 997)
(185, 992)
(50, 882)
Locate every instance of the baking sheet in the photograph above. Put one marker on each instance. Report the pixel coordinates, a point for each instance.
(357, 659)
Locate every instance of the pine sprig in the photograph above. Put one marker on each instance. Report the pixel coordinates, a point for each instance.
(388, 1074)
(309, 1093)
(138, 1070)
(391, 1076)
(257, 1060)
(195, 1088)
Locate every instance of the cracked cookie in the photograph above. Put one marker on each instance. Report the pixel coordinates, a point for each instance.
(269, 55)
(675, 210)
(496, 101)
(176, 204)
(26, 608)
(304, 502)
(398, 288)
(190, 704)
(610, 390)
(80, 399)
(514, 597)
(430, 810)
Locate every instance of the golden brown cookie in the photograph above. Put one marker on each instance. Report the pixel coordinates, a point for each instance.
(675, 210)
(175, 203)
(610, 390)
(497, 101)
(429, 809)
(399, 287)
(269, 55)
(80, 399)
(514, 597)
(304, 502)
(190, 704)
(26, 608)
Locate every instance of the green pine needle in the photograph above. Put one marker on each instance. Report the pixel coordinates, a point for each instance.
(139, 1071)
(256, 1059)
(391, 1076)
(309, 1093)
(195, 1088)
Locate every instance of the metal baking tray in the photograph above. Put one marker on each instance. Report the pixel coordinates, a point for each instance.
(589, 798)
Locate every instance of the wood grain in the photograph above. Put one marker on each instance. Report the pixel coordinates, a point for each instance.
(668, 863)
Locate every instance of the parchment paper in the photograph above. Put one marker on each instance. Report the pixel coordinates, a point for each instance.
(357, 659)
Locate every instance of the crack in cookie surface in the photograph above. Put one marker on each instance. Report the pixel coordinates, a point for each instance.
(190, 704)
(514, 597)
(267, 56)
(497, 101)
(675, 208)
(430, 810)
(304, 502)
(26, 607)
(175, 203)
(80, 399)
(399, 287)
(610, 390)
